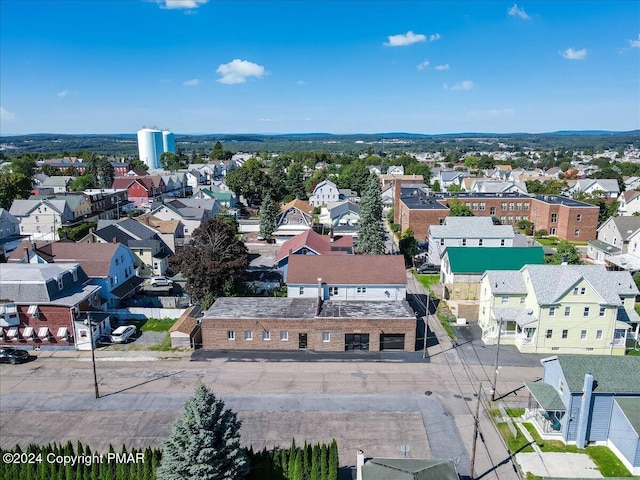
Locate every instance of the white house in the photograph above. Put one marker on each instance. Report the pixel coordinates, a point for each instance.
(467, 232)
(354, 277)
(612, 238)
(190, 211)
(629, 203)
(326, 191)
(594, 185)
(41, 218)
(10, 236)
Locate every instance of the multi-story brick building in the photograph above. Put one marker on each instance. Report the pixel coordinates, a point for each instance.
(561, 217)
(255, 323)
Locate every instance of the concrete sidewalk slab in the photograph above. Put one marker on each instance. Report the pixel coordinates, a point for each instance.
(558, 465)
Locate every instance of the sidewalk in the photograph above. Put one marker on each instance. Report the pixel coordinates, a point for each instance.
(112, 355)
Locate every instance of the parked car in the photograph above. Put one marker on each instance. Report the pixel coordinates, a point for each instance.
(161, 282)
(13, 355)
(428, 268)
(123, 334)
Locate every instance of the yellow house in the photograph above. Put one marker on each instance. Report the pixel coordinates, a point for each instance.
(559, 309)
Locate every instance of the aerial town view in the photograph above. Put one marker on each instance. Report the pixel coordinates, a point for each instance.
(319, 240)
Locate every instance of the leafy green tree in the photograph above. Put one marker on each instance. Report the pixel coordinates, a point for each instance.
(212, 258)
(408, 246)
(13, 186)
(419, 169)
(485, 162)
(50, 170)
(454, 187)
(608, 208)
(636, 279)
(436, 186)
(353, 177)
(218, 153)
(225, 216)
(565, 252)
(278, 174)
(101, 169)
(459, 209)
(471, 162)
(564, 166)
(172, 162)
(371, 234)
(267, 214)
(204, 442)
(83, 182)
(249, 181)
(295, 181)
(24, 165)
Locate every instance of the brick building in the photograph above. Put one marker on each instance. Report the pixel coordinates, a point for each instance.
(561, 217)
(255, 323)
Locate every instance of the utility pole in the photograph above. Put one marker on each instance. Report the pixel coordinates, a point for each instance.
(93, 356)
(495, 375)
(476, 423)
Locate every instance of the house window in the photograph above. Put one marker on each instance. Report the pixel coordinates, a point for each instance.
(37, 219)
(248, 335)
(522, 299)
(579, 217)
(560, 386)
(284, 336)
(492, 210)
(585, 313)
(511, 205)
(553, 231)
(554, 218)
(442, 242)
(231, 335)
(301, 291)
(474, 206)
(583, 334)
(502, 242)
(567, 311)
(583, 291)
(74, 273)
(552, 311)
(361, 289)
(464, 242)
(503, 206)
(60, 283)
(565, 333)
(576, 290)
(518, 206)
(480, 242)
(576, 232)
(117, 262)
(505, 300)
(483, 206)
(266, 335)
(333, 291)
(326, 337)
(598, 334)
(549, 334)
(510, 219)
(601, 312)
(526, 206)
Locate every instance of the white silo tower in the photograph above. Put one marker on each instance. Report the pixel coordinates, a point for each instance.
(150, 147)
(168, 142)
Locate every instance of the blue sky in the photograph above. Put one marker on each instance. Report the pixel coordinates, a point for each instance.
(296, 66)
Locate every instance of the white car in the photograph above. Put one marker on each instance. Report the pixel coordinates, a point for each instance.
(123, 334)
(161, 282)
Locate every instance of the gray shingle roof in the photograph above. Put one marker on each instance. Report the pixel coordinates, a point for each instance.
(546, 395)
(626, 225)
(470, 227)
(408, 469)
(506, 282)
(551, 282)
(614, 374)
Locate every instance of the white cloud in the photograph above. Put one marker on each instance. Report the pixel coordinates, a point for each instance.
(423, 65)
(6, 115)
(442, 67)
(64, 93)
(237, 71)
(571, 54)
(181, 4)
(518, 12)
(635, 43)
(191, 83)
(404, 40)
(435, 36)
(301, 82)
(464, 85)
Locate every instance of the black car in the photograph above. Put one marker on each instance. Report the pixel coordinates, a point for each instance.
(13, 355)
(428, 268)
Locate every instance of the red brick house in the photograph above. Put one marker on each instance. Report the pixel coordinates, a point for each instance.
(140, 189)
(42, 303)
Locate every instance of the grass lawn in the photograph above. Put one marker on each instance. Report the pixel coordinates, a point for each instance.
(153, 324)
(633, 352)
(603, 457)
(553, 241)
(427, 280)
(163, 346)
(446, 319)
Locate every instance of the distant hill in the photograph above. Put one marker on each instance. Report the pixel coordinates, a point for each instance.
(125, 144)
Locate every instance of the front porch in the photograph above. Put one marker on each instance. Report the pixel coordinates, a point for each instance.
(545, 410)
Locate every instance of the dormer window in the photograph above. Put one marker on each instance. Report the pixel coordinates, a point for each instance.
(60, 283)
(74, 273)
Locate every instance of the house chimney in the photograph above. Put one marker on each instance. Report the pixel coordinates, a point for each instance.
(114, 240)
(91, 238)
(331, 238)
(359, 464)
(26, 255)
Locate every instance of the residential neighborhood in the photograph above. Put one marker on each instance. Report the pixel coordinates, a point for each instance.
(379, 265)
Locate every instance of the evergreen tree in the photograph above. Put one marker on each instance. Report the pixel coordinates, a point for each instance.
(315, 463)
(284, 463)
(295, 181)
(278, 174)
(306, 461)
(298, 468)
(333, 461)
(267, 215)
(292, 460)
(371, 233)
(204, 443)
(324, 462)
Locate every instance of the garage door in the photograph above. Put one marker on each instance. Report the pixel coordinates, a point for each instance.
(392, 341)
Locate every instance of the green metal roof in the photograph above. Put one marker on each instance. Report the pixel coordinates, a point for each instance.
(613, 374)
(630, 406)
(408, 469)
(546, 396)
(481, 259)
